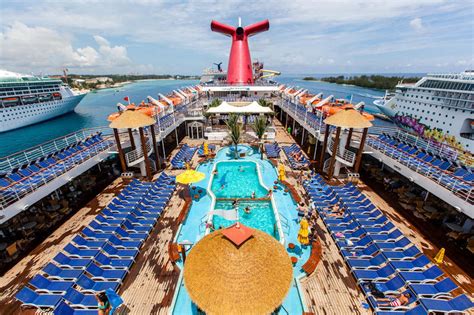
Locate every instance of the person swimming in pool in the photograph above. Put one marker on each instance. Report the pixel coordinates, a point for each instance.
(247, 210)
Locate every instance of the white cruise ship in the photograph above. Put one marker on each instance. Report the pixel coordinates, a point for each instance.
(439, 106)
(26, 99)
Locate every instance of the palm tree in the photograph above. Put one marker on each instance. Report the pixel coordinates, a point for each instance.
(263, 102)
(235, 130)
(260, 127)
(215, 102)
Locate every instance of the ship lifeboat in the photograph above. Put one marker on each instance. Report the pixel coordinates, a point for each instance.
(149, 111)
(368, 116)
(113, 116)
(56, 94)
(130, 107)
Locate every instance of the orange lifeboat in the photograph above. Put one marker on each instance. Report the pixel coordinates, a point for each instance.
(130, 107)
(368, 116)
(149, 111)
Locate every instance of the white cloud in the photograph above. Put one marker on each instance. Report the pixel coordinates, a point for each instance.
(30, 48)
(417, 24)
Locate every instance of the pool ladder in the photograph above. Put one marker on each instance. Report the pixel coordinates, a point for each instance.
(202, 225)
(284, 224)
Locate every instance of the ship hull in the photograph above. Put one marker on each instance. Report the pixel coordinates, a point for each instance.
(21, 116)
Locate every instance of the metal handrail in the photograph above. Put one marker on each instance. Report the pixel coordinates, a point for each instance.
(346, 155)
(419, 166)
(137, 154)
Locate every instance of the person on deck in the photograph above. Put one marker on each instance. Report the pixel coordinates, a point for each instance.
(400, 300)
(103, 303)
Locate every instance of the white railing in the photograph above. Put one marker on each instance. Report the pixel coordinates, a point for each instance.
(18, 159)
(438, 176)
(347, 155)
(133, 156)
(19, 189)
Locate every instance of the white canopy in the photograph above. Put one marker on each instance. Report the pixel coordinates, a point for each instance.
(240, 108)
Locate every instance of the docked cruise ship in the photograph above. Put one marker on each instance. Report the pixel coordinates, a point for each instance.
(441, 104)
(27, 99)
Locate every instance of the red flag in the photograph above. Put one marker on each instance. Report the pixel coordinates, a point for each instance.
(126, 98)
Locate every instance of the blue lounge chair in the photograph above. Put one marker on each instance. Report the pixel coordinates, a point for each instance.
(102, 274)
(426, 276)
(89, 285)
(417, 310)
(78, 299)
(442, 288)
(398, 245)
(391, 286)
(82, 243)
(408, 254)
(64, 309)
(461, 303)
(113, 252)
(366, 253)
(372, 263)
(379, 274)
(55, 272)
(74, 252)
(130, 236)
(64, 261)
(44, 285)
(113, 263)
(418, 263)
(30, 298)
(123, 244)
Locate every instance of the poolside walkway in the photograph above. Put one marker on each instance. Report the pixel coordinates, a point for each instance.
(15, 278)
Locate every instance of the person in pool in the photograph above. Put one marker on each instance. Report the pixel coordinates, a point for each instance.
(247, 210)
(253, 195)
(102, 303)
(241, 168)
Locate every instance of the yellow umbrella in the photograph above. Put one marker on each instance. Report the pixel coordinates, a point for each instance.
(303, 233)
(190, 176)
(206, 148)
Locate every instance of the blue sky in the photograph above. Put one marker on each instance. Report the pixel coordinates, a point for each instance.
(147, 36)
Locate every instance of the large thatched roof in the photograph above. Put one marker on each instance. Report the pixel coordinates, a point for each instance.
(131, 119)
(348, 118)
(253, 278)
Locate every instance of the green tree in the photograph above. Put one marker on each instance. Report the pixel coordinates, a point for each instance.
(260, 127)
(215, 102)
(235, 130)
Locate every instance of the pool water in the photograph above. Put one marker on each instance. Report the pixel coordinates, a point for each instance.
(237, 179)
(260, 217)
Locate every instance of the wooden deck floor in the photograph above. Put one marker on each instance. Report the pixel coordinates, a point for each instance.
(14, 279)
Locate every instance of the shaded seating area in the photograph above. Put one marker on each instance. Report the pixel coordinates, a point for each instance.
(21, 180)
(381, 259)
(447, 172)
(101, 255)
(272, 150)
(184, 155)
(296, 157)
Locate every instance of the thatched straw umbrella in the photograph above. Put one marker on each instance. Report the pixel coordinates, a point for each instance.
(131, 119)
(349, 119)
(251, 278)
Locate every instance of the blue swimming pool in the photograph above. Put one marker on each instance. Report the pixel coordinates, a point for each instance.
(237, 179)
(261, 216)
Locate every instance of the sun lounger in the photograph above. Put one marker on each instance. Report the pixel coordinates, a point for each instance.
(55, 272)
(64, 309)
(379, 274)
(99, 273)
(75, 252)
(458, 304)
(371, 263)
(113, 252)
(418, 263)
(441, 288)
(89, 285)
(391, 286)
(82, 243)
(417, 310)
(426, 276)
(78, 299)
(45, 285)
(30, 298)
(113, 263)
(72, 263)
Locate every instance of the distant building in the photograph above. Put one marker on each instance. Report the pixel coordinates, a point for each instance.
(91, 81)
(104, 79)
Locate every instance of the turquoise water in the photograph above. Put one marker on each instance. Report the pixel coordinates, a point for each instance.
(237, 180)
(193, 228)
(260, 217)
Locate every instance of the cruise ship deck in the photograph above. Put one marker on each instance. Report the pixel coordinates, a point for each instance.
(150, 286)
